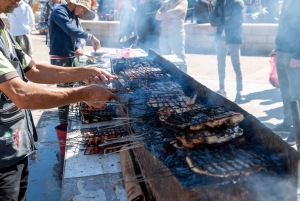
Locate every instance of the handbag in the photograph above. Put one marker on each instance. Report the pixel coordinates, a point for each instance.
(273, 77)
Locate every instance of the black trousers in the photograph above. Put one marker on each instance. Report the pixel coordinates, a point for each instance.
(63, 111)
(13, 181)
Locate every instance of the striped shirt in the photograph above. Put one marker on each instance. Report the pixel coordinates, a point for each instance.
(7, 70)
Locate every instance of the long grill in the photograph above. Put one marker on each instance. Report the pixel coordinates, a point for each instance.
(199, 149)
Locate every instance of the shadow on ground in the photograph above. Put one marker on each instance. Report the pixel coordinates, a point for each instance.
(45, 165)
(268, 97)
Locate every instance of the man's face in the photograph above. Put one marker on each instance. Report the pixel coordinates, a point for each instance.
(79, 10)
(8, 6)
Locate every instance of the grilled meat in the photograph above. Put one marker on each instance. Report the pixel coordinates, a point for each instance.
(191, 139)
(200, 118)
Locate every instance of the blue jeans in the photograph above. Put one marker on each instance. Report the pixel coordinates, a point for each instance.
(234, 50)
(173, 44)
(289, 83)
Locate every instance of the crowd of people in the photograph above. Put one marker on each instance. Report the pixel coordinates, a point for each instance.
(158, 25)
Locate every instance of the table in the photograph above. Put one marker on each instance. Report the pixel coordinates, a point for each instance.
(90, 177)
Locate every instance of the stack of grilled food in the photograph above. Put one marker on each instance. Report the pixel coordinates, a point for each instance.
(193, 124)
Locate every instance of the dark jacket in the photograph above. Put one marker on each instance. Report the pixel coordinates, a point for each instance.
(202, 11)
(147, 27)
(234, 9)
(65, 32)
(288, 35)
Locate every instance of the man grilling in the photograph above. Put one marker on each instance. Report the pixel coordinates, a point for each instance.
(17, 96)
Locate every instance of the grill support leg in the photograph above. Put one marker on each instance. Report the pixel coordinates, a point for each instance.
(296, 121)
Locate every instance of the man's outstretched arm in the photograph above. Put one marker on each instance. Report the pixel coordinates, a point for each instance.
(34, 96)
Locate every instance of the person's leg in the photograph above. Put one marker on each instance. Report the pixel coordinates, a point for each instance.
(293, 75)
(13, 181)
(21, 41)
(234, 50)
(221, 51)
(24, 180)
(63, 111)
(164, 46)
(177, 44)
(284, 85)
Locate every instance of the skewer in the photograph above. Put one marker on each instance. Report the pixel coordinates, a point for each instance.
(110, 103)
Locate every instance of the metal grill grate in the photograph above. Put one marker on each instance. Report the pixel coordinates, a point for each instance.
(201, 117)
(89, 115)
(229, 160)
(93, 138)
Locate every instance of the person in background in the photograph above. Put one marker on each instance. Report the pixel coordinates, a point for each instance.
(190, 11)
(65, 38)
(127, 24)
(45, 16)
(104, 8)
(172, 37)
(202, 11)
(147, 27)
(21, 21)
(272, 11)
(228, 39)
(18, 97)
(288, 61)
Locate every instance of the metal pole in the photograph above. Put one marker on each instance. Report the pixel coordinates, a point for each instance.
(296, 121)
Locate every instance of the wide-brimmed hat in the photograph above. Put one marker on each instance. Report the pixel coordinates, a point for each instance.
(88, 14)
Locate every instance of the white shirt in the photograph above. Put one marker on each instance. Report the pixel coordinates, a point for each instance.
(21, 20)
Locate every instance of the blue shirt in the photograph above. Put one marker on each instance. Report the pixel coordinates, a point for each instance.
(64, 32)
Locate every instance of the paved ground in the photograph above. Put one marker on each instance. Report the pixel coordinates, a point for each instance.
(260, 99)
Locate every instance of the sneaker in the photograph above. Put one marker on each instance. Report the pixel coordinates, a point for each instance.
(238, 98)
(222, 93)
(291, 139)
(283, 128)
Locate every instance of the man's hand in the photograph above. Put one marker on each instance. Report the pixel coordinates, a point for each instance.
(95, 43)
(98, 93)
(294, 63)
(272, 53)
(46, 30)
(95, 75)
(79, 51)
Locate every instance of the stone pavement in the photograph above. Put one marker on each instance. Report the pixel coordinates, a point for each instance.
(259, 98)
